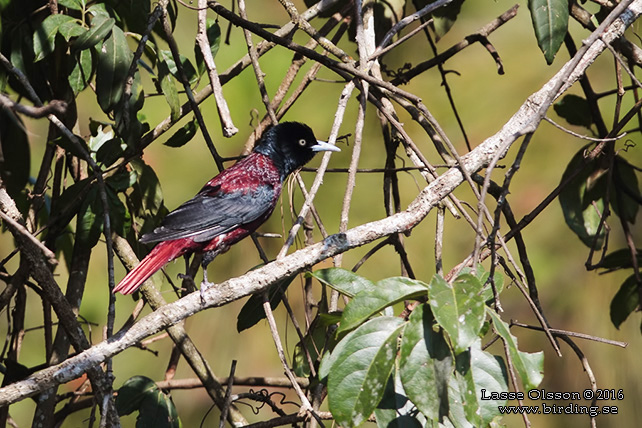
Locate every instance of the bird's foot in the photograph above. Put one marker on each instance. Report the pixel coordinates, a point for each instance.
(205, 285)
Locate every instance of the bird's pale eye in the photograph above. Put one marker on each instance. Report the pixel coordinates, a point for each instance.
(302, 142)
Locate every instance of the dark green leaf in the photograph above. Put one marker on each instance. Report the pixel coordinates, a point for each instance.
(462, 399)
(71, 29)
(314, 341)
(122, 180)
(147, 190)
(620, 259)
(167, 58)
(529, 366)
(120, 218)
(489, 373)
(252, 312)
(213, 32)
(72, 147)
(134, 15)
(625, 193)
(386, 293)
(114, 58)
(625, 301)
(168, 86)
(155, 409)
(359, 368)
(132, 393)
(90, 219)
(72, 4)
(458, 308)
(550, 21)
(72, 197)
(15, 162)
(44, 37)
(344, 281)
(580, 198)
(444, 17)
(101, 137)
(395, 410)
(575, 110)
(425, 365)
(183, 135)
(101, 26)
(110, 151)
(80, 71)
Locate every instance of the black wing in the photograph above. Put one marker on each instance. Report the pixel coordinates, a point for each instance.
(210, 214)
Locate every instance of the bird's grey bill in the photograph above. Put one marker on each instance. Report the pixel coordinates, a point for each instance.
(322, 146)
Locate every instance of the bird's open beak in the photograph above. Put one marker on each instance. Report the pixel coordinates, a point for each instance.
(322, 146)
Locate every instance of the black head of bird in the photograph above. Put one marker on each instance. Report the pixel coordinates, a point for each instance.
(291, 145)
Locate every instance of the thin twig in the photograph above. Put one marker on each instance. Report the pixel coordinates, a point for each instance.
(224, 115)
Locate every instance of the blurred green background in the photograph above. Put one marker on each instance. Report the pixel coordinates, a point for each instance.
(572, 298)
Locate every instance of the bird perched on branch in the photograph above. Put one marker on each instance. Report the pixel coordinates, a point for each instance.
(231, 205)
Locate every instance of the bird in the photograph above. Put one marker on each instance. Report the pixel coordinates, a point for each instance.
(231, 205)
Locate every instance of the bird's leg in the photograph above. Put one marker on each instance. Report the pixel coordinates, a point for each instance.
(186, 275)
(207, 259)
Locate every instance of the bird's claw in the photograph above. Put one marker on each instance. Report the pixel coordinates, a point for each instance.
(204, 287)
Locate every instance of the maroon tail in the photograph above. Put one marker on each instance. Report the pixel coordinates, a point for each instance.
(156, 259)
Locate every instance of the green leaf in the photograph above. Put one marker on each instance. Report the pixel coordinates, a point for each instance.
(183, 135)
(213, 32)
(80, 71)
(252, 312)
(72, 4)
(620, 259)
(155, 408)
(72, 148)
(101, 26)
(498, 279)
(316, 339)
(625, 192)
(167, 58)
(625, 301)
(110, 151)
(120, 219)
(550, 22)
(167, 86)
(395, 410)
(575, 110)
(158, 411)
(580, 197)
(90, 219)
(359, 368)
(529, 366)
(71, 29)
(114, 59)
(101, 137)
(458, 308)
(344, 281)
(44, 37)
(489, 373)
(444, 17)
(462, 399)
(425, 364)
(121, 181)
(147, 190)
(15, 162)
(386, 293)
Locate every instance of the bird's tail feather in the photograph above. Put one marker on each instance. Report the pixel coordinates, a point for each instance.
(156, 259)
